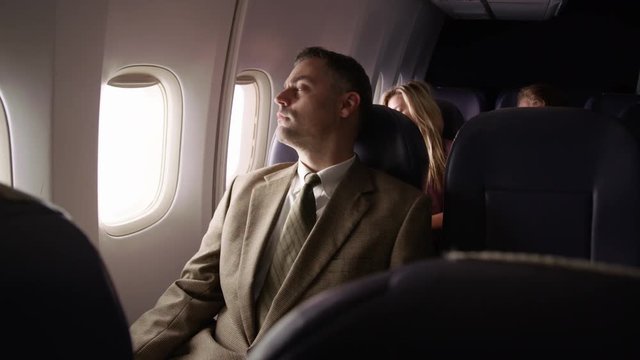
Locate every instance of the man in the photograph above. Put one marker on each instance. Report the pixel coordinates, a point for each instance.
(367, 222)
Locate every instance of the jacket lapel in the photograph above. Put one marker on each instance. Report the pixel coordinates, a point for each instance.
(264, 206)
(345, 209)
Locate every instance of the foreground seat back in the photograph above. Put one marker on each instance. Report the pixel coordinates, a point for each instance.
(58, 299)
(471, 303)
(553, 180)
(388, 141)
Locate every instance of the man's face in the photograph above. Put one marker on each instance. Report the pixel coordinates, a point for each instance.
(309, 105)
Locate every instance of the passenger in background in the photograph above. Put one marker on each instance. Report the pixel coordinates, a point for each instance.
(538, 95)
(264, 252)
(414, 99)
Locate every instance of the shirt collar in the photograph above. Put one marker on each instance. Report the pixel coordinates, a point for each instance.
(330, 177)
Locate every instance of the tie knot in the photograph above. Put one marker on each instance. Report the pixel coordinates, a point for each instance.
(312, 179)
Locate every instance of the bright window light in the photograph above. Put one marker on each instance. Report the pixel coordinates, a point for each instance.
(5, 149)
(234, 146)
(139, 148)
(131, 147)
(249, 123)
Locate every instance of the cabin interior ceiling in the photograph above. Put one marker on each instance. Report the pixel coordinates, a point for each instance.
(587, 46)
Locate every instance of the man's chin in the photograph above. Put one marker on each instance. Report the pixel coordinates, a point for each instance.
(285, 135)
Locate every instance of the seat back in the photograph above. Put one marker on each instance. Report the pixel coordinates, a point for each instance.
(388, 141)
(452, 118)
(469, 101)
(547, 180)
(612, 104)
(630, 119)
(482, 304)
(55, 287)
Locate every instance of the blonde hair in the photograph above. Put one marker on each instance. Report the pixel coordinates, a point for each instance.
(425, 113)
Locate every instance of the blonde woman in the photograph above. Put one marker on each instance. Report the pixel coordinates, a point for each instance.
(415, 101)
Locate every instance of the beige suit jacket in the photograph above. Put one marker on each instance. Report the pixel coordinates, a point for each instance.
(373, 222)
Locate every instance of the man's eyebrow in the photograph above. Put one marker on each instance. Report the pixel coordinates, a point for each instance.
(298, 78)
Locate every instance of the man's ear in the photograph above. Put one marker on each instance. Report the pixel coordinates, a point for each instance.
(349, 104)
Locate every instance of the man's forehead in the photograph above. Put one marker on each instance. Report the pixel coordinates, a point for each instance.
(308, 69)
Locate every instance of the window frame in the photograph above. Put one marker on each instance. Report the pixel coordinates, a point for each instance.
(173, 124)
(260, 128)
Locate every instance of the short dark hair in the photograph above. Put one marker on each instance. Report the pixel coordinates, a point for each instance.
(347, 69)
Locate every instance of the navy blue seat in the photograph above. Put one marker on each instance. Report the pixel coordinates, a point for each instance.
(469, 101)
(507, 98)
(58, 299)
(612, 104)
(630, 119)
(551, 180)
(452, 118)
(388, 141)
(479, 304)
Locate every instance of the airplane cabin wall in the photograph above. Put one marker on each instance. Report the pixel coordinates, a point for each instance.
(191, 39)
(56, 55)
(27, 30)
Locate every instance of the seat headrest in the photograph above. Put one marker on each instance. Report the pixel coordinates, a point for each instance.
(470, 102)
(388, 141)
(452, 118)
(612, 104)
(43, 252)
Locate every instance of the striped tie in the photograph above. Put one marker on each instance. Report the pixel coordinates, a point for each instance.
(297, 227)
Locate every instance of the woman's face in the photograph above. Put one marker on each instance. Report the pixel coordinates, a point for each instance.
(396, 102)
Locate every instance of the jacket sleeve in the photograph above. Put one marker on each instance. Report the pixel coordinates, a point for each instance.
(414, 238)
(190, 303)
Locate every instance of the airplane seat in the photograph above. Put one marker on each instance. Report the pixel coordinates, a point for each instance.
(388, 141)
(482, 303)
(612, 104)
(630, 119)
(550, 180)
(452, 117)
(469, 101)
(507, 98)
(58, 297)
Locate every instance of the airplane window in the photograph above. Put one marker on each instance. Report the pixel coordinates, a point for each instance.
(5, 148)
(138, 148)
(248, 130)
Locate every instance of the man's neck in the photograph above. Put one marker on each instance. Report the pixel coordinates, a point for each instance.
(319, 162)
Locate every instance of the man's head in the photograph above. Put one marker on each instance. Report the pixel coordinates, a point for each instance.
(322, 101)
